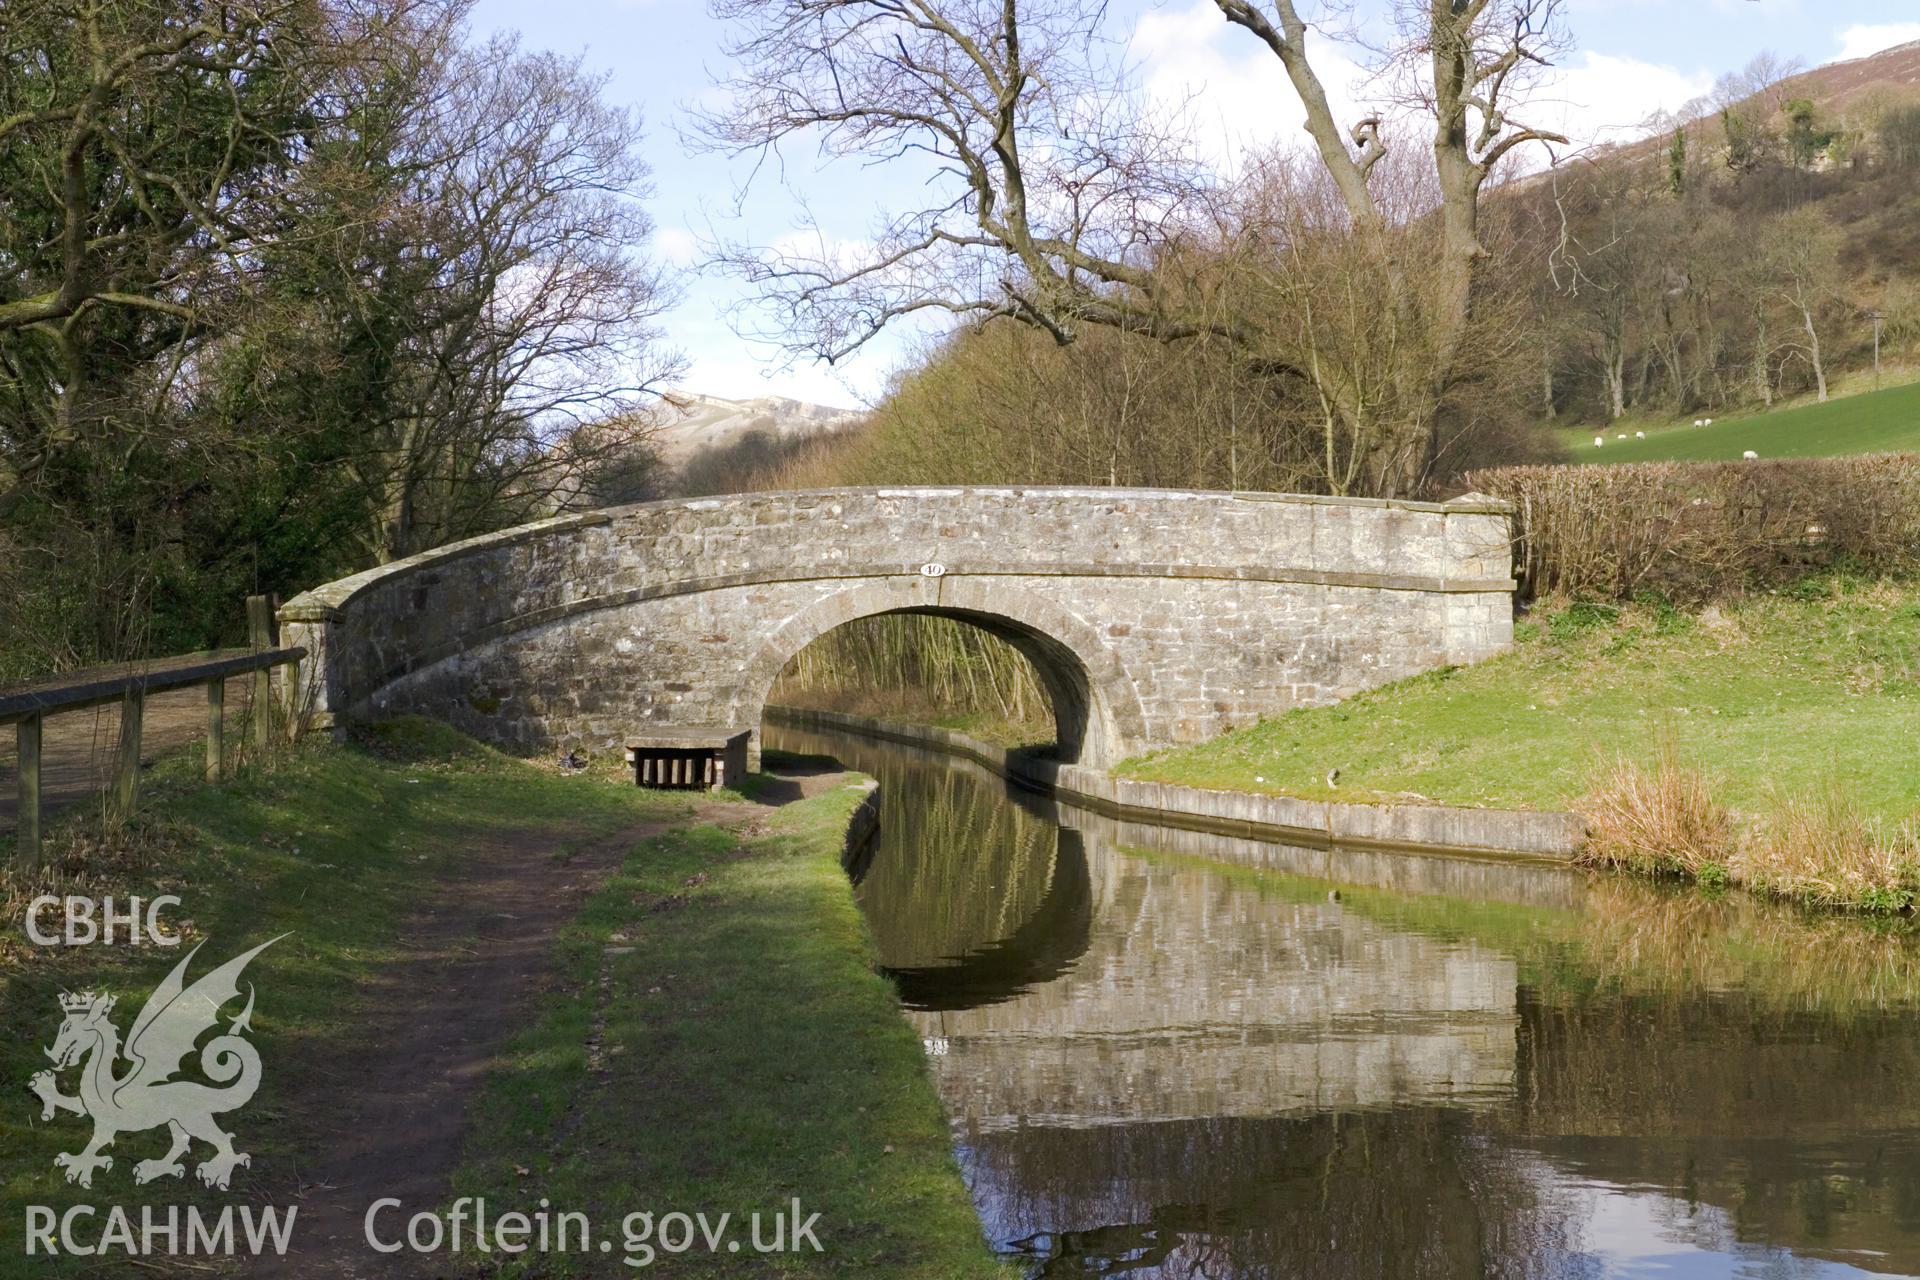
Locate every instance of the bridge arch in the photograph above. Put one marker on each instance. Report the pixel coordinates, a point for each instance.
(1096, 707)
(1155, 617)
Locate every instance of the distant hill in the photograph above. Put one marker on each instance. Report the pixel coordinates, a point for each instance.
(1837, 89)
(1839, 85)
(691, 421)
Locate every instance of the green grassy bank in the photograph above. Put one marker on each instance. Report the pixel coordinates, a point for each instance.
(1871, 422)
(334, 848)
(1775, 730)
(721, 1044)
(1774, 692)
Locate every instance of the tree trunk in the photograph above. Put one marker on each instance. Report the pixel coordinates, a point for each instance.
(1616, 372)
(1813, 354)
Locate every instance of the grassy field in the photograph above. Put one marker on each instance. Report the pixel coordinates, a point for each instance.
(721, 1044)
(334, 848)
(1781, 694)
(742, 1053)
(1872, 422)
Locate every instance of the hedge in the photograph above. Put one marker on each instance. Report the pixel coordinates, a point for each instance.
(1695, 531)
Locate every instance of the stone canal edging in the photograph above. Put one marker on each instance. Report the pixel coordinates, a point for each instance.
(1312, 823)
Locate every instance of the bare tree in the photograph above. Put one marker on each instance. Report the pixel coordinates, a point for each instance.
(1062, 203)
(1802, 257)
(1053, 186)
(466, 269)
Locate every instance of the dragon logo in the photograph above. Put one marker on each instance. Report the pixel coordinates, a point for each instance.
(145, 1095)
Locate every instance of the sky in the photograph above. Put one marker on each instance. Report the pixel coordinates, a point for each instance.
(1631, 58)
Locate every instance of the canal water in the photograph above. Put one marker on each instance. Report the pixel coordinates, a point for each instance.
(1172, 1055)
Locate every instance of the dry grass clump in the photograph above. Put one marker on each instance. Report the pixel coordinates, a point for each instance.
(1822, 848)
(1658, 820)
(1816, 847)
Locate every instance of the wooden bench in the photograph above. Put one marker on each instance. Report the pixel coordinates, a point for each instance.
(687, 758)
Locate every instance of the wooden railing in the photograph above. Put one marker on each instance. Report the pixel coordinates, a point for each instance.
(26, 707)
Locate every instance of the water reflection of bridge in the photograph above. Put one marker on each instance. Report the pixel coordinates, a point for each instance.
(1198, 997)
(1225, 1074)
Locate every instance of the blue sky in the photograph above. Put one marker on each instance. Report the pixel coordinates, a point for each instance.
(1632, 57)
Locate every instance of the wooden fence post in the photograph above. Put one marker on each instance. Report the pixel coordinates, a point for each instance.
(260, 637)
(27, 735)
(126, 774)
(216, 728)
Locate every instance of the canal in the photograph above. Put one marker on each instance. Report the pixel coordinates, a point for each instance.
(1171, 1054)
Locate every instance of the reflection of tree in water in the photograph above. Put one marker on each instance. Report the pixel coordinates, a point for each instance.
(1667, 943)
(970, 899)
(1404, 1193)
(1759, 1062)
(1804, 1128)
(1785, 957)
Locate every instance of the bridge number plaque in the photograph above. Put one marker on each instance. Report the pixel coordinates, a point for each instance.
(933, 569)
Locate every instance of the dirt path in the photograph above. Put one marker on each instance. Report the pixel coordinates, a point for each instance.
(440, 1019)
(77, 748)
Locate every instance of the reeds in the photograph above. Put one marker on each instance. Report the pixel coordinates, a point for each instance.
(1657, 820)
(925, 665)
(1816, 846)
(1821, 847)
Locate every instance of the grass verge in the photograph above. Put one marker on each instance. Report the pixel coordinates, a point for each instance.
(719, 1043)
(336, 847)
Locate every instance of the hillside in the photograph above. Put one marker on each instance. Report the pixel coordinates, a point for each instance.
(1834, 88)
(1839, 85)
(692, 421)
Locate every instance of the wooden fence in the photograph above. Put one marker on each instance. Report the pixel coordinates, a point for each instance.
(26, 707)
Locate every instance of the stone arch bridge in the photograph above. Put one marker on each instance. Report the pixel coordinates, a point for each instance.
(1153, 617)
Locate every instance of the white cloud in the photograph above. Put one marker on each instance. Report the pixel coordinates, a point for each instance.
(676, 246)
(1231, 88)
(1601, 98)
(1237, 97)
(738, 373)
(1864, 38)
